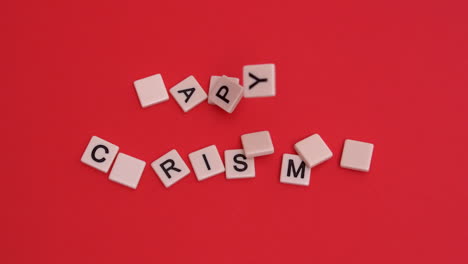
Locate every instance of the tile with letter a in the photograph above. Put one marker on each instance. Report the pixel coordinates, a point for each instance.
(259, 80)
(294, 171)
(188, 93)
(238, 166)
(127, 170)
(226, 94)
(357, 155)
(206, 162)
(151, 90)
(99, 154)
(170, 168)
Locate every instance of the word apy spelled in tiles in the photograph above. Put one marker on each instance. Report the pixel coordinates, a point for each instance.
(225, 92)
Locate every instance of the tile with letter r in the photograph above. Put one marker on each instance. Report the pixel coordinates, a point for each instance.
(170, 168)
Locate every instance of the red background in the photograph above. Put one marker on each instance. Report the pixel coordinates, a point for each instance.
(393, 73)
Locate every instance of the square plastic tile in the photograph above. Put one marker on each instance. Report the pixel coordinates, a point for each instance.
(127, 170)
(238, 166)
(313, 150)
(259, 80)
(170, 168)
(206, 162)
(257, 144)
(294, 171)
(99, 154)
(226, 94)
(213, 81)
(151, 90)
(357, 155)
(188, 93)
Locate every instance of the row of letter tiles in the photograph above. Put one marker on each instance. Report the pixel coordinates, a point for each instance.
(171, 168)
(258, 80)
(207, 162)
(100, 154)
(257, 144)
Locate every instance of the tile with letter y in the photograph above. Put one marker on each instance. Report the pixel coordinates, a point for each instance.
(259, 80)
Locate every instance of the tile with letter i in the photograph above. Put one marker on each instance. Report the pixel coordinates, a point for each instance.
(206, 162)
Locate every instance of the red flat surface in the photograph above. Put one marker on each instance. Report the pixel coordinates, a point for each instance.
(394, 74)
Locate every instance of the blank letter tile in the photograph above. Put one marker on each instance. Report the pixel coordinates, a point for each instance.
(213, 81)
(294, 171)
(226, 94)
(259, 80)
(99, 154)
(313, 150)
(127, 170)
(188, 93)
(238, 166)
(170, 168)
(206, 162)
(151, 90)
(357, 155)
(257, 144)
